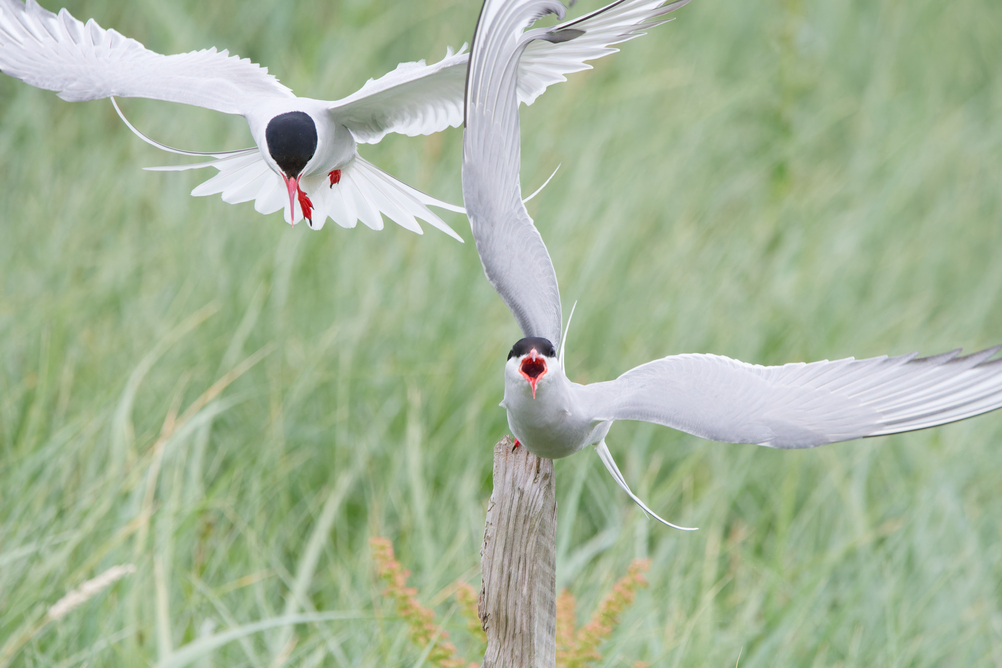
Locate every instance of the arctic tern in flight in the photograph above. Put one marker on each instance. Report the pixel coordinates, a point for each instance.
(305, 161)
(791, 406)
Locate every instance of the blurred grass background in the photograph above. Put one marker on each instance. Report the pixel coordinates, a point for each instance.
(776, 181)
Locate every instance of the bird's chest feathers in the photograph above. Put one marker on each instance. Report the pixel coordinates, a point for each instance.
(548, 425)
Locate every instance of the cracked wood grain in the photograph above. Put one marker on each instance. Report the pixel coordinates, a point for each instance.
(518, 562)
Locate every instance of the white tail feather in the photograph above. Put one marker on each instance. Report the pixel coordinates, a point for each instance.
(610, 465)
(170, 149)
(375, 186)
(540, 188)
(563, 339)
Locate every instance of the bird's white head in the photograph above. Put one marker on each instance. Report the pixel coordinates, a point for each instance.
(531, 359)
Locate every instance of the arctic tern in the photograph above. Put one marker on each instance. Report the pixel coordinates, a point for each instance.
(305, 161)
(791, 406)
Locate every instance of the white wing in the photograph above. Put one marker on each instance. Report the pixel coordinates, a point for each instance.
(87, 62)
(414, 99)
(512, 252)
(547, 61)
(418, 99)
(801, 405)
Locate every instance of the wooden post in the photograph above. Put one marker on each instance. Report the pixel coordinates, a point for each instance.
(518, 594)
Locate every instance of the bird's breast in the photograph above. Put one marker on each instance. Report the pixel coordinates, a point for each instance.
(546, 426)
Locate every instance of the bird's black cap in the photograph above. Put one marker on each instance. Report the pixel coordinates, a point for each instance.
(523, 347)
(292, 141)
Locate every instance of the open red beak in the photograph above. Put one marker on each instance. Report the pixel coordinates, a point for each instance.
(532, 368)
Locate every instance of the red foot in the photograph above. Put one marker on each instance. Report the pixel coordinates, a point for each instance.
(306, 205)
(335, 176)
(515, 447)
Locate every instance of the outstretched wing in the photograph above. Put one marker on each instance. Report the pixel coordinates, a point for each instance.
(801, 405)
(414, 99)
(546, 62)
(419, 99)
(512, 252)
(86, 62)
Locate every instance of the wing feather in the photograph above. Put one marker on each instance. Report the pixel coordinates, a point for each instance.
(86, 62)
(548, 61)
(414, 99)
(508, 64)
(511, 250)
(801, 405)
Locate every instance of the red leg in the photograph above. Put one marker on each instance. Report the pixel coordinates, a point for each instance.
(335, 176)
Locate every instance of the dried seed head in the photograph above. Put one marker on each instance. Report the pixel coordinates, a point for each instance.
(88, 590)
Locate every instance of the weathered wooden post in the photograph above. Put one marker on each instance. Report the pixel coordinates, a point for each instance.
(518, 608)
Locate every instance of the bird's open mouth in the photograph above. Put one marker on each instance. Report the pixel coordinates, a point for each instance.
(532, 368)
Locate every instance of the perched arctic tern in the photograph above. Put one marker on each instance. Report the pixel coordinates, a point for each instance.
(791, 406)
(305, 161)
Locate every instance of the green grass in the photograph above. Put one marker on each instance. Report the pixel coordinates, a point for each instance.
(779, 181)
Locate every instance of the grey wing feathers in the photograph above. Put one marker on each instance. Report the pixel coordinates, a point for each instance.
(86, 62)
(414, 99)
(569, 45)
(513, 254)
(801, 405)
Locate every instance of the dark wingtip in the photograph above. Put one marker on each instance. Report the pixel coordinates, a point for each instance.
(566, 35)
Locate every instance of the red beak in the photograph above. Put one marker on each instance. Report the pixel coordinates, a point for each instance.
(293, 185)
(532, 368)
